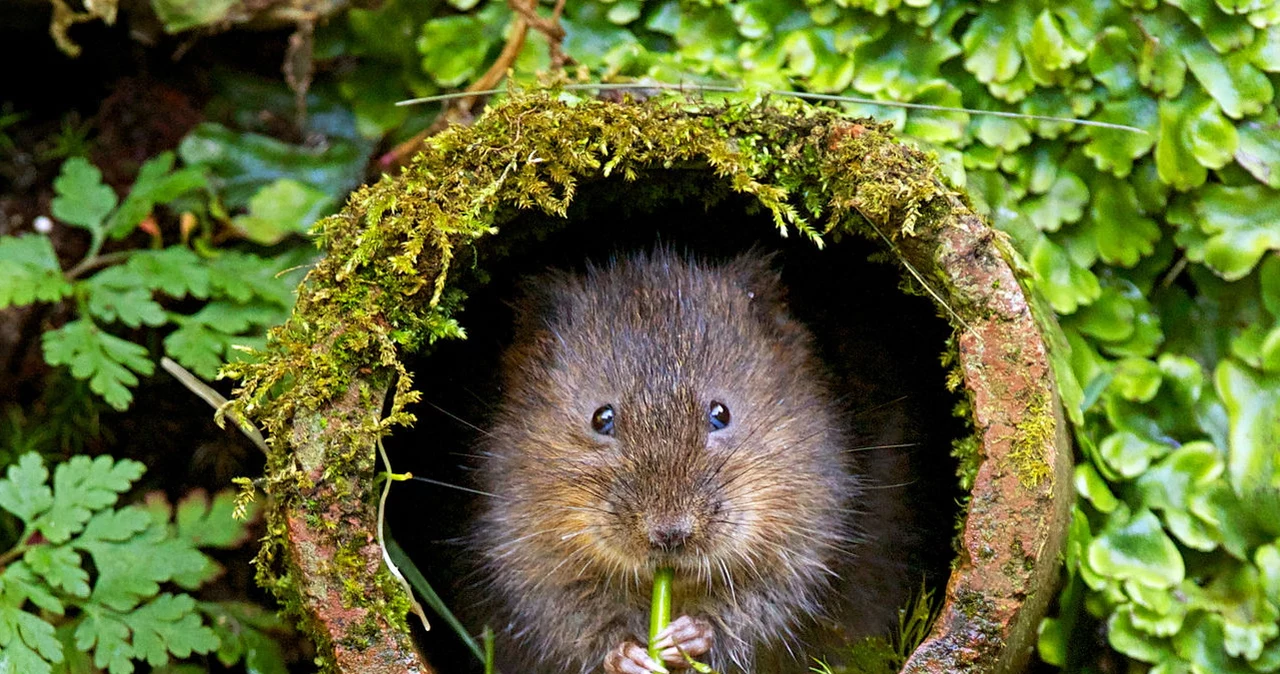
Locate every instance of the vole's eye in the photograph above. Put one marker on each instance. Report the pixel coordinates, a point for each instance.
(718, 414)
(602, 420)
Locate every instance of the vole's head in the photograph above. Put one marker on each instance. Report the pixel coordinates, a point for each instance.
(665, 412)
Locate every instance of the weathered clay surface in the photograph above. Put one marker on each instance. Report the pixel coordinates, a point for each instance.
(318, 540)
(1021, 498)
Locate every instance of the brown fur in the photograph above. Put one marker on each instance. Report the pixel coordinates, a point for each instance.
(781, 542)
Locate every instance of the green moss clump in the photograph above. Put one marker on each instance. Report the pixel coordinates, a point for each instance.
(1031, 435)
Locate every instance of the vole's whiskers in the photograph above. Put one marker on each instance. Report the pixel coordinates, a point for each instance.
(895, 445)
(897, 485)
(458, 419)
(469, 490)
(879, 406)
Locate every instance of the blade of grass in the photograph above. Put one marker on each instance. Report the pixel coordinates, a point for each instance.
(429, 596)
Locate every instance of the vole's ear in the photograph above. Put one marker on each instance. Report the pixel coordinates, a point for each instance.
(755, 271)
(534, 310)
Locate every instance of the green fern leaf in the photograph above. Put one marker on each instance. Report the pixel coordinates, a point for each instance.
(82, 486)
(83, 200)
(108, 362)
(29, 271)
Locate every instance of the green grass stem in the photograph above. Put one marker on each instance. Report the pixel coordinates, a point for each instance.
(660, 609)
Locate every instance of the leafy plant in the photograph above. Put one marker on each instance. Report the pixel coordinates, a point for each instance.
(240, 293)
(55, 611)
(887, 654)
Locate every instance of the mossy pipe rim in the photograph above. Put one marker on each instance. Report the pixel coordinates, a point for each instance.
(387, 286)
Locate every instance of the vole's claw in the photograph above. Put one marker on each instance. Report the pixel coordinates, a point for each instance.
(693, 636)
(630, 658)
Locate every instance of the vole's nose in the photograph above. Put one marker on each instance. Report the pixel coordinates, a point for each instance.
(669, 533)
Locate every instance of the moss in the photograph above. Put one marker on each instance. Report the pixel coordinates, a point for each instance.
(388, 284)
(1031, 435)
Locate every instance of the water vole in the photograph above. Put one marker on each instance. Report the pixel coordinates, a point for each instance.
(667, 412)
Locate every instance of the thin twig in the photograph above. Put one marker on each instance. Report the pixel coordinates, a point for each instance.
(667, 86)
(483, 85)
(214, 399)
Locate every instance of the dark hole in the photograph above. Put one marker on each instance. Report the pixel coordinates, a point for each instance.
(882, 347)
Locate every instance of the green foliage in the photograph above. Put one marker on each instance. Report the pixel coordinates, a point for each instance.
(1158, 251)
(240, 294)
(887, 654)
(54, 610)
(29, 271)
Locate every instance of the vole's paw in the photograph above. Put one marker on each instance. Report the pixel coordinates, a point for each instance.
(630, 658)
(685, 636)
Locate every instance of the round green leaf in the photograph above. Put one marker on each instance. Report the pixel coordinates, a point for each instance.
(1212, 137)
(1137, 550)
(1130, 454)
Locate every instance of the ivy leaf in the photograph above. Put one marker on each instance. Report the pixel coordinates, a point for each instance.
(156, 183)
(281, 208)
(453, 48)
(1252, 401)
(990, 44)
(240, 163)
(108, 362)
(1065, 284)
(83, 200)
(1136, 548)
(1124, 235)
(29, 271)
(1114, 150)
(1063, 202)
(82, 486)
(1241, 225)
(24, 491)
(1258, 151)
